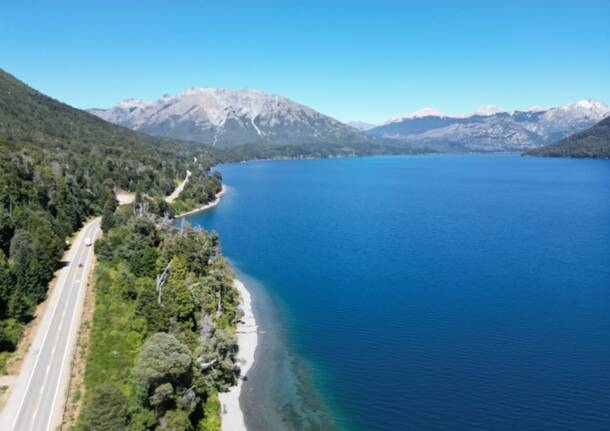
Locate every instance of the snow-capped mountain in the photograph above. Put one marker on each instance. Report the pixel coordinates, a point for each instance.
(422, 113)
(361, 125)
(485, 111)
(227, 117)
(491, 129)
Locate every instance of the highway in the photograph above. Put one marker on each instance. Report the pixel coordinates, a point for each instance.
(37, 399)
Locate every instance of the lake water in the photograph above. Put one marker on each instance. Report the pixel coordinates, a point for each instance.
(424, 293)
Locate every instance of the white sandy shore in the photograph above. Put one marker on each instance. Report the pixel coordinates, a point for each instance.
(206, 206)
(247, 337)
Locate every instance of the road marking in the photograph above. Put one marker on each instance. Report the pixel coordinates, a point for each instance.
(70, 330)
(74, 252)
(51, 356)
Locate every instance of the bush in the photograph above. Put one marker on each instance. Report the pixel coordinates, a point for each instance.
(106, 409)
(211, 411)
(10, 333)
(4, 357)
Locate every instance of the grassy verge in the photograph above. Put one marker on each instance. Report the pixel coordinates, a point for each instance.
(116, 334)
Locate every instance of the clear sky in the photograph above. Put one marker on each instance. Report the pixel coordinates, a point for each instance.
(354, 60)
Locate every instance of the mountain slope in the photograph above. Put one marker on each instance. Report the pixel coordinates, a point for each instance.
(489, 129)
(228, 118)
(58, 167)
(593, 143)
(29, 116)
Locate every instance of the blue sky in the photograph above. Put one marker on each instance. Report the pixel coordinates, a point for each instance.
(352, 60)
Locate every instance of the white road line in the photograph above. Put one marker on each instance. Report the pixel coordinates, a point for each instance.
(51, 358)
(44, 339)
(63, 363)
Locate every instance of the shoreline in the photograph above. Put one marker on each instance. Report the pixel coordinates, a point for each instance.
(207, 206)
(232, 415)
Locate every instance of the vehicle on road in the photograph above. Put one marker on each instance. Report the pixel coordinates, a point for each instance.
(87, 242)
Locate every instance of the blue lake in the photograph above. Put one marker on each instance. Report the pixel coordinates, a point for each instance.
(424, 293)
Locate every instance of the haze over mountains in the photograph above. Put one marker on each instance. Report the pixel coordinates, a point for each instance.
(227, 118)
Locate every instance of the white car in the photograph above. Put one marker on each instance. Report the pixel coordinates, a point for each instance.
(87, 242)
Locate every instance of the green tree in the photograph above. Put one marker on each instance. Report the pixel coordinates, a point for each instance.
(176, 420)
(106, 410)
(6, 284)
(148, 307)
(108, 216)
(180, 299)
(10, 332)
(162, 359)
(211, 414)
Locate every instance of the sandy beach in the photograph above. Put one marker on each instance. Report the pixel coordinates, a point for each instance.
(247, 337)
(208, 205)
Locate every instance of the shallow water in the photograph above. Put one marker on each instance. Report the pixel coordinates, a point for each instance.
(429, 292)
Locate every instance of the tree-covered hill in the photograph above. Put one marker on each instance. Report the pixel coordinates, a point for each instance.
(59, 166)
(133, 160)
(592, 143)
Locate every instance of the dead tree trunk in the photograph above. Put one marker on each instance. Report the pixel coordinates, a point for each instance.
(161, 279)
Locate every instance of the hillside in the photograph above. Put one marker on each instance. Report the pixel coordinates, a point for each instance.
(58, 167)
(592, 143)
(225, 118)
(133, 160)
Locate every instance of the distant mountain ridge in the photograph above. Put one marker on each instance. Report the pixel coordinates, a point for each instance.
(226, 118)
(491, 129)
(361, 125)
(591, 143)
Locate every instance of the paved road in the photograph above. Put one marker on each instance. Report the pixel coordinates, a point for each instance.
(37, 399)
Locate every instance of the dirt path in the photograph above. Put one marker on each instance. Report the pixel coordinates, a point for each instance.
(171, 198)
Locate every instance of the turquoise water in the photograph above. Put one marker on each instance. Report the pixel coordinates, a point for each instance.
(424, 293)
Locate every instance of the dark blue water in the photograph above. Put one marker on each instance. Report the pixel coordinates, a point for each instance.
(434, 292)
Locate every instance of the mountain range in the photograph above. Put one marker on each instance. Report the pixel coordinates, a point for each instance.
(491, 129)
(227, 118)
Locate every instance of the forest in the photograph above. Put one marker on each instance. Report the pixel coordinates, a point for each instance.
(60, 166)
(162, 342)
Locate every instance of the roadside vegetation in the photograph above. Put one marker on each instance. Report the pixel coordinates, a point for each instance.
(58, 167)
(162, 342)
